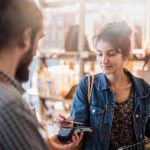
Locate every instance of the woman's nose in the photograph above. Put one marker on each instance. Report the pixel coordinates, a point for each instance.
(104, 59)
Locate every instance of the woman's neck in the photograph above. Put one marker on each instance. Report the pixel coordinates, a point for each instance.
(118, 79)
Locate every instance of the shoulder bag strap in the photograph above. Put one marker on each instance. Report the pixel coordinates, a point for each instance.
(90, 86)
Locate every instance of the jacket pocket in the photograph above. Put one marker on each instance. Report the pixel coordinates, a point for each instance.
(96, 116)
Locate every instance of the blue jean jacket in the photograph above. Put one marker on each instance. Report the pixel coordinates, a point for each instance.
(99, 114)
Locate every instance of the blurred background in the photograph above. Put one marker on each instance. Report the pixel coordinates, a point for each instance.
(66, 53)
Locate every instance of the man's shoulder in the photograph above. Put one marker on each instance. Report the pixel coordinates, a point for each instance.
(12, 102)
(8, 95)
(17, 123)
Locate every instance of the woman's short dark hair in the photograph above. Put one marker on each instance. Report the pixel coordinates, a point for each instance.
(15, 17)
(116, 33)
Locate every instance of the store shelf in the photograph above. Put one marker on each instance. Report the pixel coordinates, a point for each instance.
(85, 55)
(33, 92)
(57, 3)
(48, 104)
(53, 98)
(72, 55)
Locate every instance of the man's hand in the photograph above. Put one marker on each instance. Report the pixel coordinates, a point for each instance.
(55, 144)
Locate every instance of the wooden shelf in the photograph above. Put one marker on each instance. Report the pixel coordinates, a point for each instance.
(58, 3)
(85, 55)
(33, 92)
(54, 98)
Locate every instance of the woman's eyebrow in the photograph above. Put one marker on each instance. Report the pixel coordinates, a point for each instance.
(110, 50)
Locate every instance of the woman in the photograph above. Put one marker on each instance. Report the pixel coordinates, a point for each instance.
(119, 109)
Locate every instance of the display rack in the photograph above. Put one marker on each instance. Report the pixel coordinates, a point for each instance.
(58, 3)
(86, 56)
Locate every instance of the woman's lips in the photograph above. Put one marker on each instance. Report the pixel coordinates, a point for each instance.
(106, 66)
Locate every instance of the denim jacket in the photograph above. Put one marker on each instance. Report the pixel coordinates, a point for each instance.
(99, 113)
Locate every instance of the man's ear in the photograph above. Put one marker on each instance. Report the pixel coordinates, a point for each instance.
(25, 40)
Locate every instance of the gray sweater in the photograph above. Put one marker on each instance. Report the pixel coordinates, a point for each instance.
(18, 126)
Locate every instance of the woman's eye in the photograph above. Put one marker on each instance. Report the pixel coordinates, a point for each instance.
(112, 54)
(108, 54)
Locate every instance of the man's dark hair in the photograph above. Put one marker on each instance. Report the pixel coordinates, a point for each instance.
(15, 17)
(116, 33)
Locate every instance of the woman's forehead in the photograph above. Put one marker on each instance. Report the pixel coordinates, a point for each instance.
(103, 45)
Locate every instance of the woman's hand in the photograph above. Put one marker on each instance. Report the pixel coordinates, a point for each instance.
(55, 144)
(63, 121)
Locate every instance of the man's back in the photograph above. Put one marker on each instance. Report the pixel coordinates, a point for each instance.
(18, 130)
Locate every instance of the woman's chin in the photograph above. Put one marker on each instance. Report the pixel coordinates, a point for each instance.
(107, 71)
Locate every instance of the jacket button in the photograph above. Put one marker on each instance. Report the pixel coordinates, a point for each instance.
(93, 111)
(136, 116)
(141, 136)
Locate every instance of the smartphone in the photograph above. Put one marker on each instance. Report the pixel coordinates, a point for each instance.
(65, 134)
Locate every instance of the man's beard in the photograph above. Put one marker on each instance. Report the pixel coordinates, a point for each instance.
(22, 71)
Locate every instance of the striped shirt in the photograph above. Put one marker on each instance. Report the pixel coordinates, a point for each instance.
(18, 126)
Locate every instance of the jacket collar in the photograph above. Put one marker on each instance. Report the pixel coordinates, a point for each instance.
(6, 79)
(102, 82)
(137, 85)
(140, 92)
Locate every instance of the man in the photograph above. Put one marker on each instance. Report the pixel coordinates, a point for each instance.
(20, 30)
